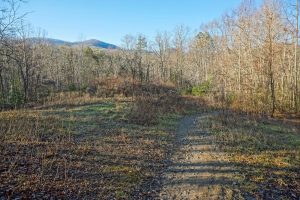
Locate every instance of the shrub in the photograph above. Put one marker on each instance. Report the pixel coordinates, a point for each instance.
(152, 100)
(201, 89)
(147, 108)
(144, 111)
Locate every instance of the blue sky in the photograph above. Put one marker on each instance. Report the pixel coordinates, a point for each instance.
(110, 20)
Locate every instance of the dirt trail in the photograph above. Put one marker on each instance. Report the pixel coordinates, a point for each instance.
(198, 170)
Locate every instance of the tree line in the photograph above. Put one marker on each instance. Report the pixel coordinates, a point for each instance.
(248, 58)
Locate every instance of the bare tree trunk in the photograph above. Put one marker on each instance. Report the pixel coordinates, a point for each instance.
(296, 100)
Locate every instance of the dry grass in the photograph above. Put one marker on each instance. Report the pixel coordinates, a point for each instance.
(267, 151)
(31, 153)
(81, 151)
(75, 146)
(68, 100)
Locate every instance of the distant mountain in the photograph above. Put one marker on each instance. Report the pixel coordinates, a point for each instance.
(90, 43)
(57, 42)
(96, 43)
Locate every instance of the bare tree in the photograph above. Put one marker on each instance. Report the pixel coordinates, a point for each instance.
(162, 51)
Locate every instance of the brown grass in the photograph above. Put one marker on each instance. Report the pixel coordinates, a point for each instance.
(87, 151)
(267, 152)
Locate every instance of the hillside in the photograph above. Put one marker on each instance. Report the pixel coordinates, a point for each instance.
(90, 43)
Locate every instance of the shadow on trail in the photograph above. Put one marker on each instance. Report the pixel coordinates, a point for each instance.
(197, 169)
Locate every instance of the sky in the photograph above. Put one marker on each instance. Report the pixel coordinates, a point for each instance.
(111, 20)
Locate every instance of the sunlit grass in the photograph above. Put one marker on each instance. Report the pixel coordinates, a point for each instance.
(268, 152)
(80, 150)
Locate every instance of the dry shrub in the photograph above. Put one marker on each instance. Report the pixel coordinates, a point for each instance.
(116, 86)
(110, 87)
(193, 104)
(144, 111)
(157, 90)
(154, 100)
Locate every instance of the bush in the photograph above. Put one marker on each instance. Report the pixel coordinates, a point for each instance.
(144, 111)
(201, 89)
(153, 100)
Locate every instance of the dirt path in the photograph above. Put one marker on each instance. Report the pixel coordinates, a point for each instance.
(198, 170)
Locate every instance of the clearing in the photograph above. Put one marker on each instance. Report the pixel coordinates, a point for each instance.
(93, 150)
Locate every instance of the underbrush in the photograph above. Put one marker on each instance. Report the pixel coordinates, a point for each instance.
(268, 153)
(146, 110)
